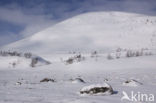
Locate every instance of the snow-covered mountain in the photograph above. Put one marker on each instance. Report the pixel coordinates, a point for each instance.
(95, 30)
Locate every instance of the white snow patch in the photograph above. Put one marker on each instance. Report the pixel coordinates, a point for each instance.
(132, 83)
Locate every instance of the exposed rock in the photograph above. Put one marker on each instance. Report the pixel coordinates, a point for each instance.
(47, 80)
(18, 83)
(104, 89)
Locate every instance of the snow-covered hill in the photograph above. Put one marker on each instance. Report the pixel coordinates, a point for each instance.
(126, 62)
(90, 31)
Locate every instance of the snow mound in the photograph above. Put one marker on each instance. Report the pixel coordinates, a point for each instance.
(132, 83)
(77, 80)
(38, 61)
(97, 89)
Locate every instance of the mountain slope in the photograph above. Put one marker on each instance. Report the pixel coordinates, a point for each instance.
(95, 30)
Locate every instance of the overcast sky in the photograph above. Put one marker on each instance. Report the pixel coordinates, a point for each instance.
(22, 18)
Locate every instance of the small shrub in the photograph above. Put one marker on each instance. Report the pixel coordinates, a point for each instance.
(13, 64)
(76, 58)
(70, 61)
(118, 55)
(27, 55)
(94, 54)
(109, 57)
(118, 50)
(34, 61)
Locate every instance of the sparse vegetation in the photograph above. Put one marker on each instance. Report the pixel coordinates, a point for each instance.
(9, 53)
(94, 54)
(120, 53)
(27, 55)
(76, 58)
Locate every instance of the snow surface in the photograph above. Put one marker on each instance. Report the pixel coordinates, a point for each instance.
(23, 84)
(102, 31)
